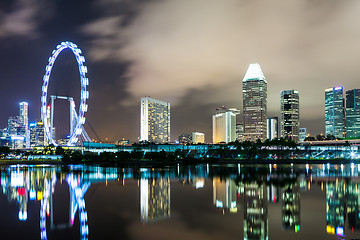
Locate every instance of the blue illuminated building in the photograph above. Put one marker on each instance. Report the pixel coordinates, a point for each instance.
(334, 112)
(353, 113)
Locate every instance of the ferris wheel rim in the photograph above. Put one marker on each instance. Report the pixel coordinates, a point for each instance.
(84, 81)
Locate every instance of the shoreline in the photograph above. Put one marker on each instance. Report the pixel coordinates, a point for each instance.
(183, 162)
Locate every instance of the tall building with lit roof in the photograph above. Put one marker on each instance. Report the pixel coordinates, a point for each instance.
(254, 103)
(334, 112)
(24, 120)
(155, 120)
(353, 113)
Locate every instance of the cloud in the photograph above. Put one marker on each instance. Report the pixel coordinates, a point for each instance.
(176, 46)
(24, 18)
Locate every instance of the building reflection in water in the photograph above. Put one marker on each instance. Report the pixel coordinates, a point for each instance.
(154, 199)
(342, 202)
(290, 209)
(256, 190)
(224, 195)
(28, 183)
(255, 211)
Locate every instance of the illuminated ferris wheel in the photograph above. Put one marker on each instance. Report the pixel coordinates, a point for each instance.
(77, 120)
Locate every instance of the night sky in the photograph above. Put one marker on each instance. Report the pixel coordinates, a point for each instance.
(192, 53)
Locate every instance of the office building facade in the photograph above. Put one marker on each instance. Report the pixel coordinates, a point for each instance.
(197, 137)
(254, 103)
(155, 120)
(224, 125)
(272, 128)
(185, 138)
(334, 112)
(353, 113)
(302, 134)
(289, 114)
(239, 132)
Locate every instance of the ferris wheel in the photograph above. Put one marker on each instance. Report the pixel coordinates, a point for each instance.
(77, 120)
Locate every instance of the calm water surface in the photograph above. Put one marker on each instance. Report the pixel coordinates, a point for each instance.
(183, 202)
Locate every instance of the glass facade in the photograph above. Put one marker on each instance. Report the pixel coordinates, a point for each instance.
(353, 113)
(224, 125)
(302, 134)
(254, 103)
(155, 120)
(272, 128)
(334, 112)
(289, 114)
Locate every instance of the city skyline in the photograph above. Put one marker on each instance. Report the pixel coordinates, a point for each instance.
(194, 60)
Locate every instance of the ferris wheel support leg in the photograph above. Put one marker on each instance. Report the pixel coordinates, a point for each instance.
(71, 117)
(52, 117)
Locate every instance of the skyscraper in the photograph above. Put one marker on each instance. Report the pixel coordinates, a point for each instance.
(40, 134)
(239, 132)
(289, 114)
(254, 103)
(353, 113)
(272, 128)
(155, 120)
(224, 125)
(32, 129)
(334, 112)
(24, 121)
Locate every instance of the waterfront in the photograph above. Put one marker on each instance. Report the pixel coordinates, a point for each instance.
(230, 201)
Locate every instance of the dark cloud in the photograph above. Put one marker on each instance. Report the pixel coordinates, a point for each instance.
(22, 18)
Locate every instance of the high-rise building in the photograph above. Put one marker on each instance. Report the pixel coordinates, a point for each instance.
(32, 129)
(224, 125)
(302, 134)
(254, 103)
(155, 120)
(40, 134)
(240, 132)
(353, 113)
(272, 128)
(24, 120)
(154, 199)
(289, 114)
(334, 112)
(197, 137)
(36, 134)
(14, 126)
(224, 194)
